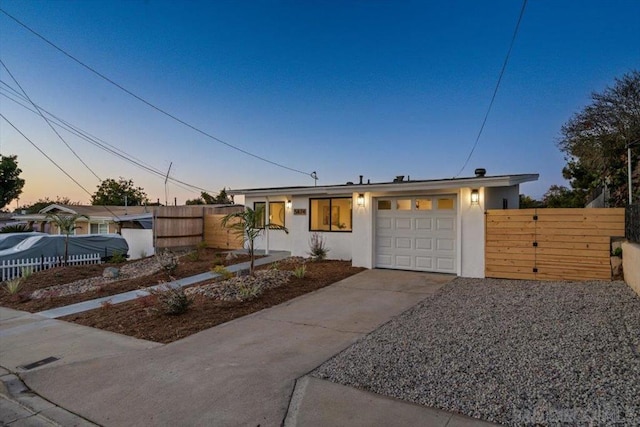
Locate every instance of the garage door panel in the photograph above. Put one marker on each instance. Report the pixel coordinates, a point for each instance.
(416, 239)
(424, 262)
(445, 224)
(424, 224)
(403, 261)
(403, 242)
(445, 244)
(424, 243)
(403, 224)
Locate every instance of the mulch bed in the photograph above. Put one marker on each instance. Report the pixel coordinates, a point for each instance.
(135, 319)
(188, 266)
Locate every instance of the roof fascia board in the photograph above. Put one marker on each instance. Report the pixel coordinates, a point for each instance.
(59, 207)
(499, 181)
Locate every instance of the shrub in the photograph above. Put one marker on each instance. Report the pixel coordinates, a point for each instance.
(218, 260)
(275, 266)
(171, 301)
(16, 228)
(168, 261)
(26, 272)
(13, 286)
(248, 291)
(318, 248)
(118, 258)
(617, 251)
(106, 305)
(193, 256)
(300, 271)
(222, 271)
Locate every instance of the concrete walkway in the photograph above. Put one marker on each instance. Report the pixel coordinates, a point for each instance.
(240, 373)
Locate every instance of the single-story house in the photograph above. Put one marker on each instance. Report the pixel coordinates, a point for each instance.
(424, 225)
(99, 219)
(134, 223)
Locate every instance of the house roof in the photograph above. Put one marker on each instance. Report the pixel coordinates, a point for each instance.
(409, 185)
(99, 213)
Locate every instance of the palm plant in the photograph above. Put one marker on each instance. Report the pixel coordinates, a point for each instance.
(248, 226)
(66, 224)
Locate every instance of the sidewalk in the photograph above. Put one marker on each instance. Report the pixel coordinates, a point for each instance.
(239, 373)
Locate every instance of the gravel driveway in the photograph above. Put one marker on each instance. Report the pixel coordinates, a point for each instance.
(508, 351)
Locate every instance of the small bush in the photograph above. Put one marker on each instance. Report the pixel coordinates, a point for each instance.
(275, 266)
(217, 260)
(171, 301)
(168, 261)
(222, 271)
(13, 286)
(193, 256)
(26, 272)
(617, 251)
(248, 291)
(118, 258)
(201, 246)
(318, 248)
(300, 271)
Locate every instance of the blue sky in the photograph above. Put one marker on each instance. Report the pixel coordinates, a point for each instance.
(378, 88)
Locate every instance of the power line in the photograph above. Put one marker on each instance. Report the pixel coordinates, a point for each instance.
(495, 91)
(45, 154)
(144, 101)
(47, 120)
(101, 143)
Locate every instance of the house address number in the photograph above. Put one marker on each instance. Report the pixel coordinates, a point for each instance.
(299, 211)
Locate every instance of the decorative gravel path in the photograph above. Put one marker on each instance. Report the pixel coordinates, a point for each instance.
(511, 352)
(131, 270)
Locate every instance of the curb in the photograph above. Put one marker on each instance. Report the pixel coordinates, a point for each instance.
(23, 406)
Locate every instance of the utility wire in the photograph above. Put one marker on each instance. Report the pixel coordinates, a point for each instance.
(45, 154)
(144, 101)
(101, 143)
(495, 91)
(47, 120)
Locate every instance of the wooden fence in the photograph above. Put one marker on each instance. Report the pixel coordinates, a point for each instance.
(186, 226)
(217, 236)
(551, 244)
(10, 269)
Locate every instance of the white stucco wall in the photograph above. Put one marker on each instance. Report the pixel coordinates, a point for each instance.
(494, 197)
(471, 234)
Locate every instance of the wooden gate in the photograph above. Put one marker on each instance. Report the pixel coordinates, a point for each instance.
(551, 244)
(217, 236)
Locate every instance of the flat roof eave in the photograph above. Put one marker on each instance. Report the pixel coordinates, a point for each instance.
(422, 185)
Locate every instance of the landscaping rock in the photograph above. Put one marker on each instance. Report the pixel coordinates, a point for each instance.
(231, 256)
(616, 267)
(111, 273)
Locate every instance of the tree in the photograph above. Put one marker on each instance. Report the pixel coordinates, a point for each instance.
(207, 199)
(247, 225)
(115, 193)
(10, 182)
(595, 140)
(66, 224)
(527, 202)
(559, 196)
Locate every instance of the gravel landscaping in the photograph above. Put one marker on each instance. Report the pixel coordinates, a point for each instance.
(511, 352)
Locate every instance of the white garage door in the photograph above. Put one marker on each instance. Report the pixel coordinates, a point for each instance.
(416, 233)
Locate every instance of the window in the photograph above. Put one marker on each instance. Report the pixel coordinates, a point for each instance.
(98, 228)
(384, 205)
(423, 204)
(330, 214)
(403, 204)
(276, 213)
(445, 203)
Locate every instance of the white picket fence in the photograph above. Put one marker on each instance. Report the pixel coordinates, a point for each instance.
(10, 269)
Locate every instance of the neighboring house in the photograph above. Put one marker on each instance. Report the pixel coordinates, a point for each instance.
(133, 222)
(427, 225)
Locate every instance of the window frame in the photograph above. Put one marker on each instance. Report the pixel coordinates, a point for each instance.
(98, 224)
(284, 209)
(330, 230)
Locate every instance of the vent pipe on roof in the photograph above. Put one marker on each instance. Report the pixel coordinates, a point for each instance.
(398, 178)
(480, 172)
(360, 179)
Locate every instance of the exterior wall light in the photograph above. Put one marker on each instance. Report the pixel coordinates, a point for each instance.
(475, 197)
(289, 204)
(360, 200)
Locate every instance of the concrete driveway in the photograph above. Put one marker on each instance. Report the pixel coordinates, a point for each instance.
(239, 373)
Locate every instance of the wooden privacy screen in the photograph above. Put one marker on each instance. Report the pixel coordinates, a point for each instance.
(551, 244)
(216, 236)
(178, 226)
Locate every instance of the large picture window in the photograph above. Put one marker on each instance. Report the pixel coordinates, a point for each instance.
(276, 213)
(330, 214)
